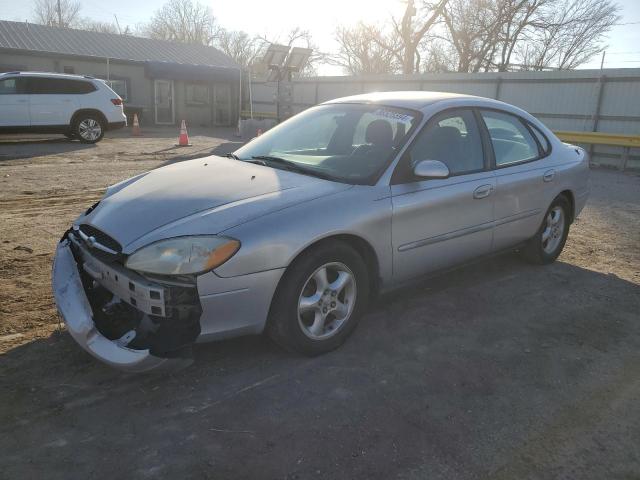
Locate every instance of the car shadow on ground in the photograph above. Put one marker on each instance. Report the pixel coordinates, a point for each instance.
(498, 350)
(16, 147)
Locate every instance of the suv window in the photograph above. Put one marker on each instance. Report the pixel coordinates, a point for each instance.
(512, 142)
(454, 139)
(59, 86)
(11, 86)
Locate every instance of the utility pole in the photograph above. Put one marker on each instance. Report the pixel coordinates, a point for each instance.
(59, 15)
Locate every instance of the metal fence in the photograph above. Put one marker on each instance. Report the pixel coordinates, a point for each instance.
(579, 100)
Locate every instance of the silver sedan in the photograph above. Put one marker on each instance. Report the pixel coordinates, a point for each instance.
(296, 231)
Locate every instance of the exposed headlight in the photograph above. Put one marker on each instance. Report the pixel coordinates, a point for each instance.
(183, 255)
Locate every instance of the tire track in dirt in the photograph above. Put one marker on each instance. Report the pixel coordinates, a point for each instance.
(25, 203)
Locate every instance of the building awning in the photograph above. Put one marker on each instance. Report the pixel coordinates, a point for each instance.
(181, 71)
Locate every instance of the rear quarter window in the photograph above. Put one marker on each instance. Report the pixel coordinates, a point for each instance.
(542, 138)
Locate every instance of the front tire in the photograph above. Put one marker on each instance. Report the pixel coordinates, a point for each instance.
(88, 128)
(548, 242)
(320, 299)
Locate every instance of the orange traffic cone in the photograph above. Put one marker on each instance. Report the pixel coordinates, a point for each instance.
(183, 139)
(135, 131)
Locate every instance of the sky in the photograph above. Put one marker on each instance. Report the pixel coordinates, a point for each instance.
(276, 17)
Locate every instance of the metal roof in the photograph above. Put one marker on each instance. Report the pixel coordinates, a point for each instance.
(31, 37)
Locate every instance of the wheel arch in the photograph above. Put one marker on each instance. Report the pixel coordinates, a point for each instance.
(92, 111)
(568, 194)
(359, 244)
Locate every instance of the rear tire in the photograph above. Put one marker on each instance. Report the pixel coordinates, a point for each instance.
(320, 299)
(548, 242)
(88, 128)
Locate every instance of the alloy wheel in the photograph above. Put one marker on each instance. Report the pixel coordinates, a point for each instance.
(327, 300)
(554, 230)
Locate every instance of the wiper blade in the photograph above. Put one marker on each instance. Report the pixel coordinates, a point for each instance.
(294, 167)
(232, 155)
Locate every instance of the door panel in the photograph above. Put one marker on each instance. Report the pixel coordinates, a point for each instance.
(14, 103)
(164, 102)
(440, 223)
(521, 193)
(521, 179)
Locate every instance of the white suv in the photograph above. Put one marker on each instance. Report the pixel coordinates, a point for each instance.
(77, 106)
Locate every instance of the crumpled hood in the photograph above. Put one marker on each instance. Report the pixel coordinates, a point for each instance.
(203, 196)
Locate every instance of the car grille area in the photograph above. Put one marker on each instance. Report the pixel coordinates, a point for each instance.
(101, 238)
(136, 312)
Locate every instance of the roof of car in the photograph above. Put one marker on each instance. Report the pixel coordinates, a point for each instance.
(404, 99)
(49, 74)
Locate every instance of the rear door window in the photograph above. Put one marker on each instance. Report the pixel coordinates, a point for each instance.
(511, 140)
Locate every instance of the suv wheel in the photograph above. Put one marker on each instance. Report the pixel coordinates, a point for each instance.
(88, 128)
(320, 299)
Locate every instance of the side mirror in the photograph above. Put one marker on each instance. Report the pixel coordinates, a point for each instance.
(431, 169)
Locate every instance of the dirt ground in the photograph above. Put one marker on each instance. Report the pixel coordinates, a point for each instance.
(496, 370)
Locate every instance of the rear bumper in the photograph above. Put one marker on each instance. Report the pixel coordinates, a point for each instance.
(116, 125)
(75, 310)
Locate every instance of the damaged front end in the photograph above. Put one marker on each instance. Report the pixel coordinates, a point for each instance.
(127, 320)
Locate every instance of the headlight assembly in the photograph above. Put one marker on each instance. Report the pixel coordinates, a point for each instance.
(183, 255)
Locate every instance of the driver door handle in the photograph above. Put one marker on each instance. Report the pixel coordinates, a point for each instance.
(482, 191)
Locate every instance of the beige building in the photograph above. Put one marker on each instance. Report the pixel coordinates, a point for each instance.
(164, 82)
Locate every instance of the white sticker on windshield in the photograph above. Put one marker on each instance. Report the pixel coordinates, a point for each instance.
(401, 117)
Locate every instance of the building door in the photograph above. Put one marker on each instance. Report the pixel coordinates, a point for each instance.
(165, 114)
(222, 104)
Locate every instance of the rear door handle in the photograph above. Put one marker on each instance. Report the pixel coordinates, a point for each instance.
(548, 175)
(482, 191)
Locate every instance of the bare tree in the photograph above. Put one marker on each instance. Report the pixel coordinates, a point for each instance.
(62, 13)
(366, 49)
(569, 34)
(243, 48)
(183, 21)
(412, 29)
(97, 26)
(505, 35)
(369, 49)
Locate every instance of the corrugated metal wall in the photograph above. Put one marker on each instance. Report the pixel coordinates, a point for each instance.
(579, 100)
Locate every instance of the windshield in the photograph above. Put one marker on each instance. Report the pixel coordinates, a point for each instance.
(350, 143)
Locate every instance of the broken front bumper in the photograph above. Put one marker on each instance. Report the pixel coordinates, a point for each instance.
(74, 308)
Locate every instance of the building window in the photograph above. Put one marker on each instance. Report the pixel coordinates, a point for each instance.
(68, 69)
(197, 94)
(119, 86)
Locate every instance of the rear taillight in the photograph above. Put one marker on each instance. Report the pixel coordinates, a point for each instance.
(116, 101)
